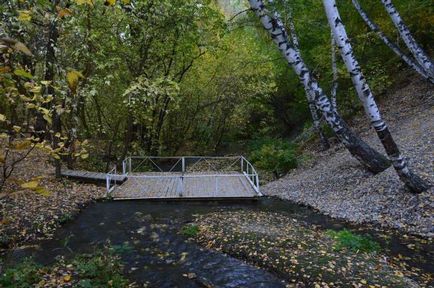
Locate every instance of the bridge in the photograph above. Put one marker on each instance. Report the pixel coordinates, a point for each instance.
(184, 177)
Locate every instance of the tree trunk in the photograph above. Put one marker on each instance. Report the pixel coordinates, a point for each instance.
(374, 27)
(334, 89)
(309, 94)
(50, 59)
(421, 57)
(365, 94)
(373, 160)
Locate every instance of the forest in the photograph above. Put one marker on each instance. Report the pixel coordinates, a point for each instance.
(327, 105)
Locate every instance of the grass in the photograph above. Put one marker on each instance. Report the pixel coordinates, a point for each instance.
(99, 269)
(190, 230)
(345, 239)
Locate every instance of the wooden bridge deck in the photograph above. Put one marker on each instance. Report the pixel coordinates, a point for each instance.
(88, 176)
(184, 186)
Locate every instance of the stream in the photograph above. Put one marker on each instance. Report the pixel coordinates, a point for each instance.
(147, 230)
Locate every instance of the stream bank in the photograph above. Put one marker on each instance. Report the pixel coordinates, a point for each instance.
(152, 245)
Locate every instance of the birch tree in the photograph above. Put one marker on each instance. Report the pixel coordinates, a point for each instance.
(334, 89)
(421, 57)
(373, 160)
(309, 93)
(364, 92)
(407, 59)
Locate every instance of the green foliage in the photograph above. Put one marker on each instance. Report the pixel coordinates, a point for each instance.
(100, 269)
(348, 240)
(190, 230)
(274, 155)
(23, 275)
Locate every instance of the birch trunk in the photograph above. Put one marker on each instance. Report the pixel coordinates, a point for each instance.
(309, 94)
(374, 27)
(421, 57)
(334, 89)
(373, 160)
(365, 94)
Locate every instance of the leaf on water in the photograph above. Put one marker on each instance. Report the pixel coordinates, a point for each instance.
(23, 73)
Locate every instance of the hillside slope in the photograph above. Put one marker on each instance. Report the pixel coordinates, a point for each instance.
(336, 184)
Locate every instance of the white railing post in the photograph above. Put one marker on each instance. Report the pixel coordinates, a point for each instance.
(124, 167)
(183, 164)
(242, 164)
(107, 179)
(129, 165)
(216, 186)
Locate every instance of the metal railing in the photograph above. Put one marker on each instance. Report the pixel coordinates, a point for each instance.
(111, 180)
(183, 168)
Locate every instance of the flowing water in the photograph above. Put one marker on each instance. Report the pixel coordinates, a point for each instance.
(155, 252)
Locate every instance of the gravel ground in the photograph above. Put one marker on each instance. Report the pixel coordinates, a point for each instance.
(337, 185)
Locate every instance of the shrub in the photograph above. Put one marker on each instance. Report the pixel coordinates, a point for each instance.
(274, 155)
(360, 243)
(24, 274)
(190, 230)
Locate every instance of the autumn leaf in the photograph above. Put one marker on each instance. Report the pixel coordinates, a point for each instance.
(64, 12)
(24, 15)
(23, 73)
(30, 185)
(126, 2)
(84, 2)
(18, 46)
(110, 2)
(72, 77)
(2, 118)
(20, 145)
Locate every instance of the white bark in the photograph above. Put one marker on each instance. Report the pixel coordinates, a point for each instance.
(334, 89)
(273, 25)
(421, 57)
(374, 27)
(309, 93)
(365, 95)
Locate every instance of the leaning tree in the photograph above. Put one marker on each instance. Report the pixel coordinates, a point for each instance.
(364, 92)
(272, 23)
(408, 59)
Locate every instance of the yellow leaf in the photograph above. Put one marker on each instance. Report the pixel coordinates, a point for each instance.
(30, 185)
(2, 158)
(64, 12)
(3, 136)
(47, 118)
(16, 128)
(2, 118)
(84, 156)
(81, 2)
(24, 15)
(22, 48)
(72, 78)
(42, 191)
(67, 278)
(110, 2)
(20, 145)
(36, 89)
(126, 2)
